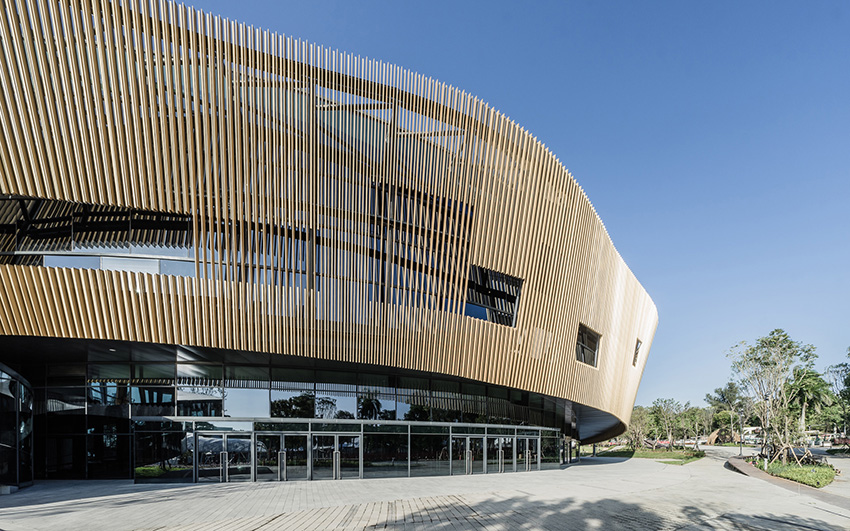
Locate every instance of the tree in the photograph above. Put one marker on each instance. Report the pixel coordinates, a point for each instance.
(666, 411)
(725, 421)
(828, 419)
(767, 370)
(638, 427)
(809, 389)
(729, 398)
(726, 398)
(838, 377)
(706, 419)
(691, 421)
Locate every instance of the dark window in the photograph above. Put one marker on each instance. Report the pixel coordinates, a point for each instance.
(492, 296)
(587, 345)
(637, 352)
(44, 226)
(293, 404)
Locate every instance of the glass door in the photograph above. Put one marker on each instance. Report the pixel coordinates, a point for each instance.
(208, 448)
(458, 462)
(323, 450)
(476, 455)
(349, 456)
(495, 459)
(296, 457)
(509, 453)
(533, 454)
(467, 455)
(522, 455)
(239, 457)
(267, 453)
(527, 455)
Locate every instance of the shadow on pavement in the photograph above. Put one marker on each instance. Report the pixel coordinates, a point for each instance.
(59, 491)
(523, 513)
(590, 460)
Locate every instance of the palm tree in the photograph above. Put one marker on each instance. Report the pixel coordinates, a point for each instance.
(809, 389)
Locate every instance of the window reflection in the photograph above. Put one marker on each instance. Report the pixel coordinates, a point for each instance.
(336, 404)
(429, 455)
(134, 265)
(108, 399)
(16, 429)
(246, 402)
(87, 404)
(385, 455)
(293, 404)
(200, 401)
(376, 406)
(152, 401)
(76, 262)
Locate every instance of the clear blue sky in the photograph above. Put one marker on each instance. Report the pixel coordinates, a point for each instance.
(712, 137)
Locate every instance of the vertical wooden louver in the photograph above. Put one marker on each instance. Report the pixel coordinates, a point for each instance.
(337, 204)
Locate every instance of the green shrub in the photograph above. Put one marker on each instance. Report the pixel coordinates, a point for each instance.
(812, 475)
(156, 471)
(678, 456)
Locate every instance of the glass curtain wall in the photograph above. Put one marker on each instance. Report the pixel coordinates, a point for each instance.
(16, 429)
(330, 449)
(87, 395)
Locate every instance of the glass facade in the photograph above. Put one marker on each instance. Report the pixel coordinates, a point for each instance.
(16, 429)
(186, 449)
(106, 409)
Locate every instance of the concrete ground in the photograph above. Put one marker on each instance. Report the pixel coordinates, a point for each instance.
(841, 484)
(599, 493)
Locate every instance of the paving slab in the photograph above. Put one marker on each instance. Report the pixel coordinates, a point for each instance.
(598, 493)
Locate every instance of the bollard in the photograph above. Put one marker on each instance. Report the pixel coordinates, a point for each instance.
(222, 459)
(337, 468)
(281, 465)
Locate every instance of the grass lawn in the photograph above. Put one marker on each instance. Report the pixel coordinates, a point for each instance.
(814, 476)
(672, 457)
(155, 471)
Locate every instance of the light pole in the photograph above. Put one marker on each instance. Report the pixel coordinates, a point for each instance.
(741, 435)
(766, 433)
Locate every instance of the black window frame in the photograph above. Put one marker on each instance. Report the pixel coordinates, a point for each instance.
(638, 345)
(585, 338)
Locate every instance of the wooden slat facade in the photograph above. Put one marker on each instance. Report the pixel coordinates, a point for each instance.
(337, 203)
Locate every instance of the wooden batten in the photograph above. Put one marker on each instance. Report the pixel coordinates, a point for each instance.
(337, 203)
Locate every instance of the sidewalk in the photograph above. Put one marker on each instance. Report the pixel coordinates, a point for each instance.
(841, 483)
(598, 493)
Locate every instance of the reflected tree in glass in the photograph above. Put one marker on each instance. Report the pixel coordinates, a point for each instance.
(421, 413)
(369, 407)
(325, 408)
(298, 406)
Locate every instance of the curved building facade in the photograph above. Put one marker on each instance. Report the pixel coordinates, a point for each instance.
(210, 234)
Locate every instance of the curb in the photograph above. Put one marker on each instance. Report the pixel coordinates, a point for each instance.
(739, 465)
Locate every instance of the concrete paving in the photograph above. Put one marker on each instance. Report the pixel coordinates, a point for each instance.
(841, 483)
(599, 493)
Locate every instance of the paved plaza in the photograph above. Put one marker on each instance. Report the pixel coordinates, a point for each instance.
(600, 493)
